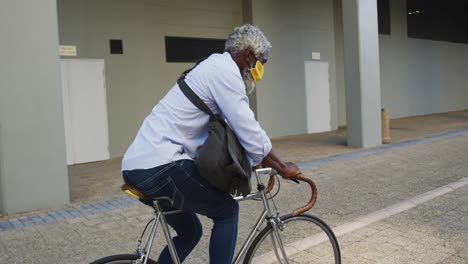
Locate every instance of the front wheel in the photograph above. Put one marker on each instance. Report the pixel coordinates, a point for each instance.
(121, 259)
(306, 239)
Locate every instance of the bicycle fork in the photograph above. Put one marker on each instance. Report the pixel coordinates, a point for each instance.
(275, 236)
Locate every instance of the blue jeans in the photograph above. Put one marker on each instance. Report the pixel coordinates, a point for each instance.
(191, 193)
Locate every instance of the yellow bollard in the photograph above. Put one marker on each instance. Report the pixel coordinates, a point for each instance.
(385, 127)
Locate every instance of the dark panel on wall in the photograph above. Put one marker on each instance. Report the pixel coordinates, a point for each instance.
(116, 46)
(383, 12)
(438, 20)
(182, 49)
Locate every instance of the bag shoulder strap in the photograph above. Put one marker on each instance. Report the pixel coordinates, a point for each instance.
(193, 97)
(190, 94)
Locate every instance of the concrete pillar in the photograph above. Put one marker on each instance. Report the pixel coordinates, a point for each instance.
(33, 172)
(362, 72)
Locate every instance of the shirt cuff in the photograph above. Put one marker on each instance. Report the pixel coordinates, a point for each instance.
(256, 159)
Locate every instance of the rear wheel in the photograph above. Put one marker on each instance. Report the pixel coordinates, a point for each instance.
(306, 239)
(121, 259)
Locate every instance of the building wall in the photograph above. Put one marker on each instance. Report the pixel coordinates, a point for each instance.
(33, 173)
(466, 72)
(339, 55)
(139, 78)
(420, 76)
(417, 76)
(296, 29)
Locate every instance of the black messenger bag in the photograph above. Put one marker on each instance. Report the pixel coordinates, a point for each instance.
(221, 160)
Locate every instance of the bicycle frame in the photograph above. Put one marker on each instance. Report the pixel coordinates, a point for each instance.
(267, 214)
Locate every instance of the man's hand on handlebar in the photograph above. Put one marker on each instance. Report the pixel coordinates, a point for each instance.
(289, 171)
(285, 169)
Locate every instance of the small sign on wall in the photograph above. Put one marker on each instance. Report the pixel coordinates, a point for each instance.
(316, 55)
(67, 50)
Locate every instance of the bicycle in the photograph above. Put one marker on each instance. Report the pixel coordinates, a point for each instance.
(306, 244)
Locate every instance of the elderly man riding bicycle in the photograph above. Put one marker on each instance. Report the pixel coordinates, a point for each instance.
(160, 160)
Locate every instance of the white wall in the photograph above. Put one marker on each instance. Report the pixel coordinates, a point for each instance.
(421, 76)
(339, 55)
(295, 29)
(140, 77)
(417, 76)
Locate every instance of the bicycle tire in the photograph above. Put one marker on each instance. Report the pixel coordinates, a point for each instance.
(120, 259)
(303, 238)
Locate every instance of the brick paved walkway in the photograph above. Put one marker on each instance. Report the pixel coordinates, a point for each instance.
(349, 187)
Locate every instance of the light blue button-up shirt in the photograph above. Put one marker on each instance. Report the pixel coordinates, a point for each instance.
(175, 127)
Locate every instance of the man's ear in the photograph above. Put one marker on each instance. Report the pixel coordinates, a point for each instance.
(250, 52)
(243, 58)
(246, 53)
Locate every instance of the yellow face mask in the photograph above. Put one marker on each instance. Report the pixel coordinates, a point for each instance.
(257, 71)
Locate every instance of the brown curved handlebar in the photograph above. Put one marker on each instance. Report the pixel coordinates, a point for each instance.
(313, 198)
(271, 183)
(299, 177)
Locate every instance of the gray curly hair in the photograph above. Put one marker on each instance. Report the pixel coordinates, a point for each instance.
(247, 36)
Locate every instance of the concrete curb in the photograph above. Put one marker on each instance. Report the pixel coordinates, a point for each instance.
(375, 150)
(82, 210)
